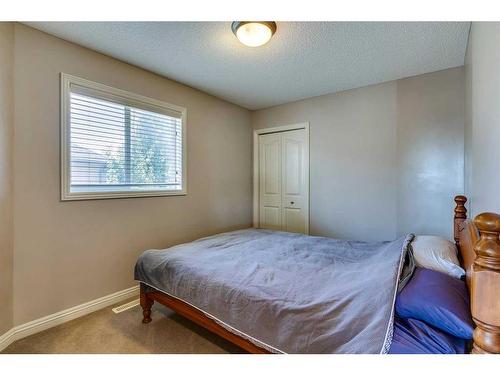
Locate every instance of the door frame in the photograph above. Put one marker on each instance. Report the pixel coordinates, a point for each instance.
(256, 192)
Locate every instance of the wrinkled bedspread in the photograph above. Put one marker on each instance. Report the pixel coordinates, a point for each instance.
(286, 292)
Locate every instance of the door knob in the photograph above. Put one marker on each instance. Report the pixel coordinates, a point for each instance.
(292, 202)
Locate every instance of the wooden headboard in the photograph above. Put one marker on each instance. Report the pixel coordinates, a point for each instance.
(478, 242)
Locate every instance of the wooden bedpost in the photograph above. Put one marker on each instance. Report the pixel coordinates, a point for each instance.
(485, 302)
(460, 217)
(146, 304)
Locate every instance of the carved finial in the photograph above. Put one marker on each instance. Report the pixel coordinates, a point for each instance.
(486, 285)
(488, 222)
(460, 210)
(460, 216)
(488, 247)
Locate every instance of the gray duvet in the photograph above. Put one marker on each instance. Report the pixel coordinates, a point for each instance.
(286, 292)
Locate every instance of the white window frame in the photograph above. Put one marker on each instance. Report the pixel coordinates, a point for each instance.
(67, 81)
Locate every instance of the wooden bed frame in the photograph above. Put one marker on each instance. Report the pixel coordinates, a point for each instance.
(479, 249)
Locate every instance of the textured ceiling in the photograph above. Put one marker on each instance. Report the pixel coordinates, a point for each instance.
(302, 60)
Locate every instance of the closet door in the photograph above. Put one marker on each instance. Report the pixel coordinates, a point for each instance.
(270, 213)
(295, 181)
(284, 181)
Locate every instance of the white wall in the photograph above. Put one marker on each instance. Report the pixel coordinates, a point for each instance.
(6, 137)
(385, 159)
(483, 118)
(430, 150)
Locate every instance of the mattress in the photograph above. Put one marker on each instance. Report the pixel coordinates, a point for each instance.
(286, 292)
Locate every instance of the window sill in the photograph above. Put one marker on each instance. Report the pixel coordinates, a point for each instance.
(66, 196)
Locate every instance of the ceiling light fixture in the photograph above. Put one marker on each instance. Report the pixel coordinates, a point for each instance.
(253, 33)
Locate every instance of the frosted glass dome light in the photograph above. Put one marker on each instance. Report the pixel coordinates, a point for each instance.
(253, 33)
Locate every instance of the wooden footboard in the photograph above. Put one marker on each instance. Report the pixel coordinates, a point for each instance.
(195, 315)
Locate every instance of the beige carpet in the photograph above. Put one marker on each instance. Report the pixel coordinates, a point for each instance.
(107, 332)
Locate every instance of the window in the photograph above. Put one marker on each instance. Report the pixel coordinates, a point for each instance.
(115, 144)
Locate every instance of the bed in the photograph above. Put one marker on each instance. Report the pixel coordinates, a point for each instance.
(278, 292)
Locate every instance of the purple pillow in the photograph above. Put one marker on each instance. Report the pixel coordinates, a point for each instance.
(415, 337)
(439, 300)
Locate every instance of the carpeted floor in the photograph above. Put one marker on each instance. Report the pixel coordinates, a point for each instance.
(107, 332)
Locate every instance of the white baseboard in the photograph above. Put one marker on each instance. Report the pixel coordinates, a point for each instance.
(53, 320)
(7, 338)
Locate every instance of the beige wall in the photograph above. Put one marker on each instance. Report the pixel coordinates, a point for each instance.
(385, 159)
(6, 137)
(352, 159)
(483, 117)
(67, 253)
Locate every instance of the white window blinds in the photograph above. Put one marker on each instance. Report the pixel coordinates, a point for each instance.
(121, 146)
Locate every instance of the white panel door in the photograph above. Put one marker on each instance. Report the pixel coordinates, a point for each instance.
(284, 181)
(270, 181)
(295, 181)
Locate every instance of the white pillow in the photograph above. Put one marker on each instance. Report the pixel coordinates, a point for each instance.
(438, 254)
